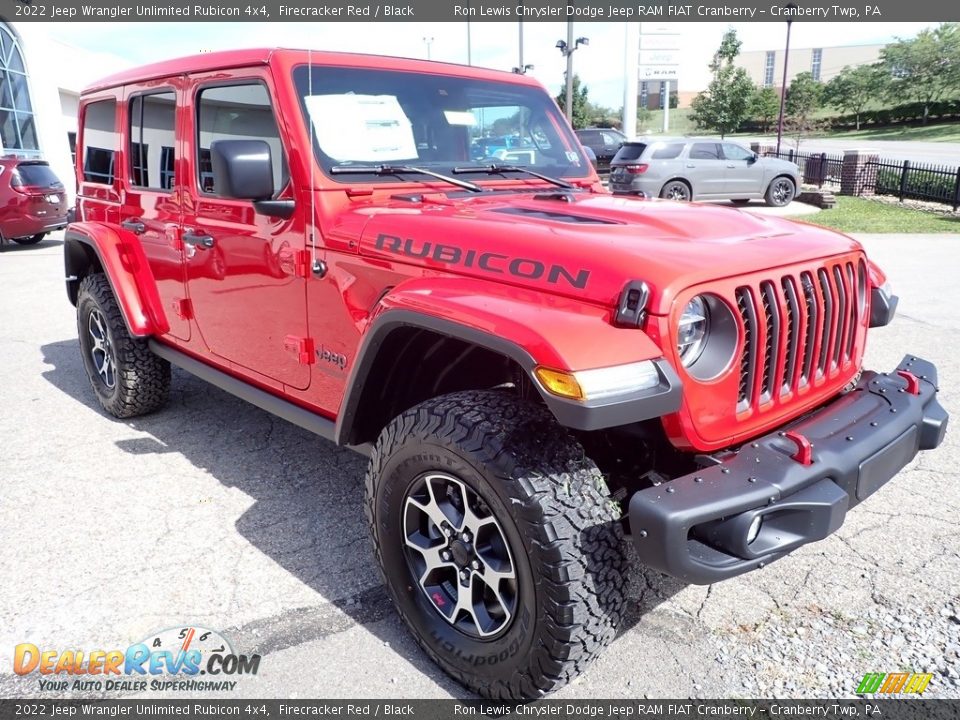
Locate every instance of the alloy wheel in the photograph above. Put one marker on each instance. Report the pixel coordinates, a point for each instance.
(101, 351)
(458, 553)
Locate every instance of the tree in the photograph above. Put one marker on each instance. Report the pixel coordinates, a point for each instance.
(725, 104)
(854, 89)
(765, 106)
(803, 100)
(581, 103)
(925, 68)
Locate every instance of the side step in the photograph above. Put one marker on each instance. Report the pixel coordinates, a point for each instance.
(274, 405)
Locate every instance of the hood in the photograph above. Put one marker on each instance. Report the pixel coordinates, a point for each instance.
(585, 245)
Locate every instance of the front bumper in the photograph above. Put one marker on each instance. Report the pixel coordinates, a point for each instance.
(698, 527)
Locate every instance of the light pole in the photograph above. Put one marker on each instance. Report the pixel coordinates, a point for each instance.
(783, 86)
(567, 48)
(429, 42)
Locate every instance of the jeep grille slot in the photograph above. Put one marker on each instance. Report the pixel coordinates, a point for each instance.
(771, 318)
(793, 334)
(798, 329)
(748, 361)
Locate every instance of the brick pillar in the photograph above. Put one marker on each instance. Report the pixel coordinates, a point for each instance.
(859, 174)
(763, 148)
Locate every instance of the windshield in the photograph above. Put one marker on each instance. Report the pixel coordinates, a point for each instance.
(373, 117)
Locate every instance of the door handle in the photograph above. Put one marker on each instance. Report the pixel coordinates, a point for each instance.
(134, 225)
(691, 165)
(731, 166)
(196, 239)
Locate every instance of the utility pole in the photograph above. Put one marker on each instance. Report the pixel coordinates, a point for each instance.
(520, 64)
(783, 87)
(631, 85)
(569, 53)
(666, 106)
(429, 42)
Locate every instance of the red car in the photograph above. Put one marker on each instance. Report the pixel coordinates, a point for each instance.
(532, 365)
(32, 201)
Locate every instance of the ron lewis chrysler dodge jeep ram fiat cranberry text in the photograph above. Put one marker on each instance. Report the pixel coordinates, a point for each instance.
(533, 366)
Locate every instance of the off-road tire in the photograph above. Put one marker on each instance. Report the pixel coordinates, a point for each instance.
(557, 515)
(32, 240)
(676, 190)
(775, 198)
(142, 380)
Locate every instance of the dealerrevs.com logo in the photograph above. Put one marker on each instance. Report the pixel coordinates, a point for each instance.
(177, 659)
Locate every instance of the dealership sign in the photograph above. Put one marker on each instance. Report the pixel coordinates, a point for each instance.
(659, 54)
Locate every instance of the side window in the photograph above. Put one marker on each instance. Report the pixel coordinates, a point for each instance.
(705, 151)
(588, 137)
(611, 140)
(152, 139)
(667, 152)
(236, 112)
(100, 141)
(735, 152)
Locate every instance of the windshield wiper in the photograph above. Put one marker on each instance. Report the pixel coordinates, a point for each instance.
(501, 169)
(401, 170)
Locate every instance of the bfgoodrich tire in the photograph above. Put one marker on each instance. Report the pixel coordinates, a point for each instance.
(497, 540)
(126, 377)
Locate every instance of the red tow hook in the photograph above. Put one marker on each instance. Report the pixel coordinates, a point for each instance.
(804, 453)
(913, 383)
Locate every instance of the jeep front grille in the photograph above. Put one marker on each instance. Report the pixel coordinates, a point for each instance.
(798, 329)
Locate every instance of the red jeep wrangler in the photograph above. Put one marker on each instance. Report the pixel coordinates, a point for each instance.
(533, 365)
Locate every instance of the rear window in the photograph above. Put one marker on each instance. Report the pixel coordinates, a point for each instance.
(630, 151)
(667, 152)
(37, 175)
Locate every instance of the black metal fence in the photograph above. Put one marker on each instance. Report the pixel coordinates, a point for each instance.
(904, 179)
(816, 168)
(917, 181)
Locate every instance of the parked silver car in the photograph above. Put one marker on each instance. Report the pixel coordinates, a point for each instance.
(689, 168)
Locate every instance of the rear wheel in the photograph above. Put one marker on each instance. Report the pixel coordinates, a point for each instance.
(126, 377)
(781, 192)
(497, 540)
(33, 240)
(676, 190)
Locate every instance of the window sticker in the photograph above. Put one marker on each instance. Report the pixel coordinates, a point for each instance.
(361, 128)
(460, 117)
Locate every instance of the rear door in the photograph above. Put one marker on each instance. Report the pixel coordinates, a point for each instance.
(245, 270)
(152, 205)
(744, 174)
(706, 170)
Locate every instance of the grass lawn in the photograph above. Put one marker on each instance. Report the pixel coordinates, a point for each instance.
(858, 215)
(944, 132)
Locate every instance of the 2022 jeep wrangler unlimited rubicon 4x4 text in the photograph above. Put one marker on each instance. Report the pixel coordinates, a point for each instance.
(533, 365)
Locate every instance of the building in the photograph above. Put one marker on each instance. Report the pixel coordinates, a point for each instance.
(765, 67)
(40, 83)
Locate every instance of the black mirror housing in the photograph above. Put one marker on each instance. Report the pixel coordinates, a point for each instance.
(242, 169)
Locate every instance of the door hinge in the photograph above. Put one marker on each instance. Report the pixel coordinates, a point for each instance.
(183, 308)
(302, 263)
(302, 347)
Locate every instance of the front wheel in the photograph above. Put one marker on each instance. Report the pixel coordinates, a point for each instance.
(781, 192)
(676, 190)
(33, 240)
(498, 541)
(126, 377)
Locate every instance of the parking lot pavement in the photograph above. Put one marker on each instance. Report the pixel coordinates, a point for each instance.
(213, 513)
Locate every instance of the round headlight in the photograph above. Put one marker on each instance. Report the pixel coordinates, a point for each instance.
(693, 331)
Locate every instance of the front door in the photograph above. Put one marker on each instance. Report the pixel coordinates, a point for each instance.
(706, 169)
(244, 269)
(151, 208)
(744, 173)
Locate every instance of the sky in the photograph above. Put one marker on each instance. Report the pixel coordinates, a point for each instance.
(600, 65)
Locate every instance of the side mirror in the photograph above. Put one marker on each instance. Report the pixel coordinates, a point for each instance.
(752, 159)
(242, 169)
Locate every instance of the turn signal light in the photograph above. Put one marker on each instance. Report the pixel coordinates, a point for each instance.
(560, 383)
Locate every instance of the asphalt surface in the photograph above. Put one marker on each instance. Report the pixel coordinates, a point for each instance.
(213, 513)
(936, 153)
